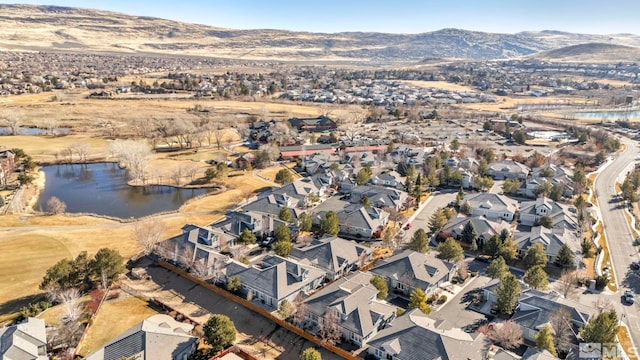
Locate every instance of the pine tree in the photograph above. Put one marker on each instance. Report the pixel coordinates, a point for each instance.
(419, 241)
(418, 300)
(507, 293)
(565, 256)
(497, 268)
(469, 232)
(544, 340)
(536, 277)
(601, 328)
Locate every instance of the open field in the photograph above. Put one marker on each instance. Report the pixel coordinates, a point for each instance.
(109, 321)
(506, 104)
(437, 85)
(77, 111)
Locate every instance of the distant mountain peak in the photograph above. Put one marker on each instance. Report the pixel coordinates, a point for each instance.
(31, 27)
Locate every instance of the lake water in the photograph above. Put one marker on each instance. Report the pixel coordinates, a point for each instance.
(34, 131)
(609, 115)
(102, 189)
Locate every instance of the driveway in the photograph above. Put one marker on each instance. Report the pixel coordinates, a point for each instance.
(455, 311)
(437, 200)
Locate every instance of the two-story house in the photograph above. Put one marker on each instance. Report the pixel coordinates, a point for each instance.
(275, 279)
(408, 270)
(361, 314)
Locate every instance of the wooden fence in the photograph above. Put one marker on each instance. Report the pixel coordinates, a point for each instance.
(257, 309)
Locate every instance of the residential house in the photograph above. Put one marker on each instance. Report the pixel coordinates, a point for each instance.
(24, 341)
(391, 179)
(484, 227)
(492, 206)
(563, 216)
(272, 203)
(408, 270)
(551, 239)
(414, 336)
(301, 151)
(276, 279)
(159, 337)
(508, 169)
(360, 313)
(321, 123)
(380, 196)
(243, 160)
(336, 256)
(535, 309)
(235, 222)
(560, 176)
(362, 221)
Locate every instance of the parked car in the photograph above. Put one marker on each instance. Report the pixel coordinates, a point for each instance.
(628, 297)
(408, 226)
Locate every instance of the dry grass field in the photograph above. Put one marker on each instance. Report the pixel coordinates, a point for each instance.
(437, 85)
(110, 322)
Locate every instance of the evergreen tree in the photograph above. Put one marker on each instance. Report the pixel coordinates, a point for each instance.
(418, 300)
(544, 340)
(536, 277)
(329, 224)
(285, 214)
(310, 354)
(507, 293)
(219, 332)
(497, 268)
(381, 284)
(601, 328)
(419, 241)
(283, 176)
(508, 250)
(304, 222)
(469, 232)
(450, 250)
(246, 237)
(565, 256)
(437, 221)
(536, 255)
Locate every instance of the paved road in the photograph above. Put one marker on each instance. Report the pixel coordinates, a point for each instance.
(618, 234)
(437, 200)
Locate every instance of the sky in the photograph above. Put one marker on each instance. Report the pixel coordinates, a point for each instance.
(391, 16)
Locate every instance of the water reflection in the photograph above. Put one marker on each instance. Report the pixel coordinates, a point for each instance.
(102, 189)
(609, 115)
(4, 130)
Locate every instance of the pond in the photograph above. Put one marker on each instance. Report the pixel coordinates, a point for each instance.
(609, 115)
(34, 131)
(102, 189)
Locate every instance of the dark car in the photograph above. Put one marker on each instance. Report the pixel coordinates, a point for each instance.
(628, 297)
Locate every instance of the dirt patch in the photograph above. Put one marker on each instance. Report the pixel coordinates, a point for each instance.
(627, 344)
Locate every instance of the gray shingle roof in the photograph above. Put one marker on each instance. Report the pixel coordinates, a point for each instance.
(414, 336)
(354, 298)
(551, 239)
(481, 224)
(330, 253)
(158, 337)
(491, 201)
(277, 277)
(419, 270)
(21, 341)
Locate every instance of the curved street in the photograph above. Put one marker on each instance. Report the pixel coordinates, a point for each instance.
(618, 233)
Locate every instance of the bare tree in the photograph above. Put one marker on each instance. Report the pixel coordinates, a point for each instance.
(561, 324)
(56, 206)
(133, 155)
(200, 269)
(300, 311)
(70, 300)
(508, 334)
(463, 269)
(13, 121)
(82, 149)
(567, 284)
(602, 304)
(176, 175)
(186, 256)
(148, 234)
(49, 124)
(7, 167)
(191, 170)
(68, 154)
(329, 330)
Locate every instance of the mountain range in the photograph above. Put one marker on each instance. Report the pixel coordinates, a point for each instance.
(52, 28)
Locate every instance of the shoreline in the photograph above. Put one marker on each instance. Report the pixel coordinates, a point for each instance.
(32, 198)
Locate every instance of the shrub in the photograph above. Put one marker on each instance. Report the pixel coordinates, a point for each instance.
(601, 282)
(442, 299)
